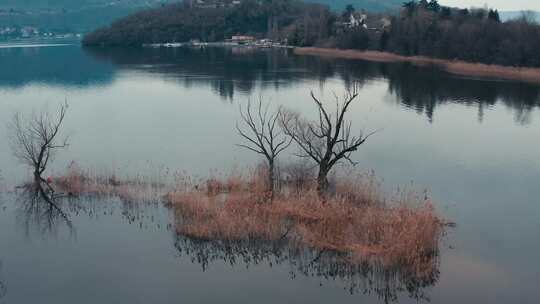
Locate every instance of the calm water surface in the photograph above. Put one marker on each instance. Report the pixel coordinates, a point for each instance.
(474, 144)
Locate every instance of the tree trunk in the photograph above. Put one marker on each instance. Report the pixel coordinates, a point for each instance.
(271, 179)
(322, 183)
(37, 176)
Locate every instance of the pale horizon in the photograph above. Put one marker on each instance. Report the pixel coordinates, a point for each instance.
(503, 5)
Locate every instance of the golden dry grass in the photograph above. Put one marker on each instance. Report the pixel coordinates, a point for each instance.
(356, 220)
(457, 67)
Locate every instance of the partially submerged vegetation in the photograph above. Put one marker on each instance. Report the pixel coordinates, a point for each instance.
(356, 220)
(79, 182)
(347, 216)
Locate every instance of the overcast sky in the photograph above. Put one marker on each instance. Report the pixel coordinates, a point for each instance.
(506, 5)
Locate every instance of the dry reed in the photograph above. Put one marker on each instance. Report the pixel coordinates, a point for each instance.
(79, 182)
(356, 220)
(457, 67)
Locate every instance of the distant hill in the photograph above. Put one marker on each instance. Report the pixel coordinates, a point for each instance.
(72, 4)
(374, 5)
(87, 15)
(69, 15)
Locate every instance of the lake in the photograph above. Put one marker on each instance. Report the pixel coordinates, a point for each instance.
(473, 144)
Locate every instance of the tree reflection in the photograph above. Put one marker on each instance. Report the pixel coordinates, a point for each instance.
(366, 277)
(40, 210)
(230, 71)
(424, 89)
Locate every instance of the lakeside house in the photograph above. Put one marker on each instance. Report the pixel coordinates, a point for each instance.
(357, 20)
(29, 31)
(372, 22)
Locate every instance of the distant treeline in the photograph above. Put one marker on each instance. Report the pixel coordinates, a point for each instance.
(422, 28)
(428, 29)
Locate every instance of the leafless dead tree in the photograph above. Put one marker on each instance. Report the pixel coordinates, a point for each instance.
(263, 135)
(328, 140)
(34, 139)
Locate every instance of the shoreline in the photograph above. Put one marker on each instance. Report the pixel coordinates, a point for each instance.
(456, 67)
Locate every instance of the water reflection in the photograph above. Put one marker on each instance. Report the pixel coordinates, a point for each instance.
(388, 284)
(40, 210)
(3, 289)
(241, 71)
(425, 89)
(229, 71)
(63, 66)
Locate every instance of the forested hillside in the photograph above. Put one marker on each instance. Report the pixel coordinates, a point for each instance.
(476, 35)
(423, 28)
(72, 4)
(69, 15)
(87, 15)
(303, 23)
(373, 5)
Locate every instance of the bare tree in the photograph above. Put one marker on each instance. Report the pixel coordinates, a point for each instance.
(327, 140)
(34, 139)
(263, 135)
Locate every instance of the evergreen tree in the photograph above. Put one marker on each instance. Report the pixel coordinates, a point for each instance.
(493, 15)
(434, 6)
(349, 9)
(410, 7)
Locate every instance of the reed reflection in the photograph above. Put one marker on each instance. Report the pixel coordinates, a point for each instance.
(368, 277)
